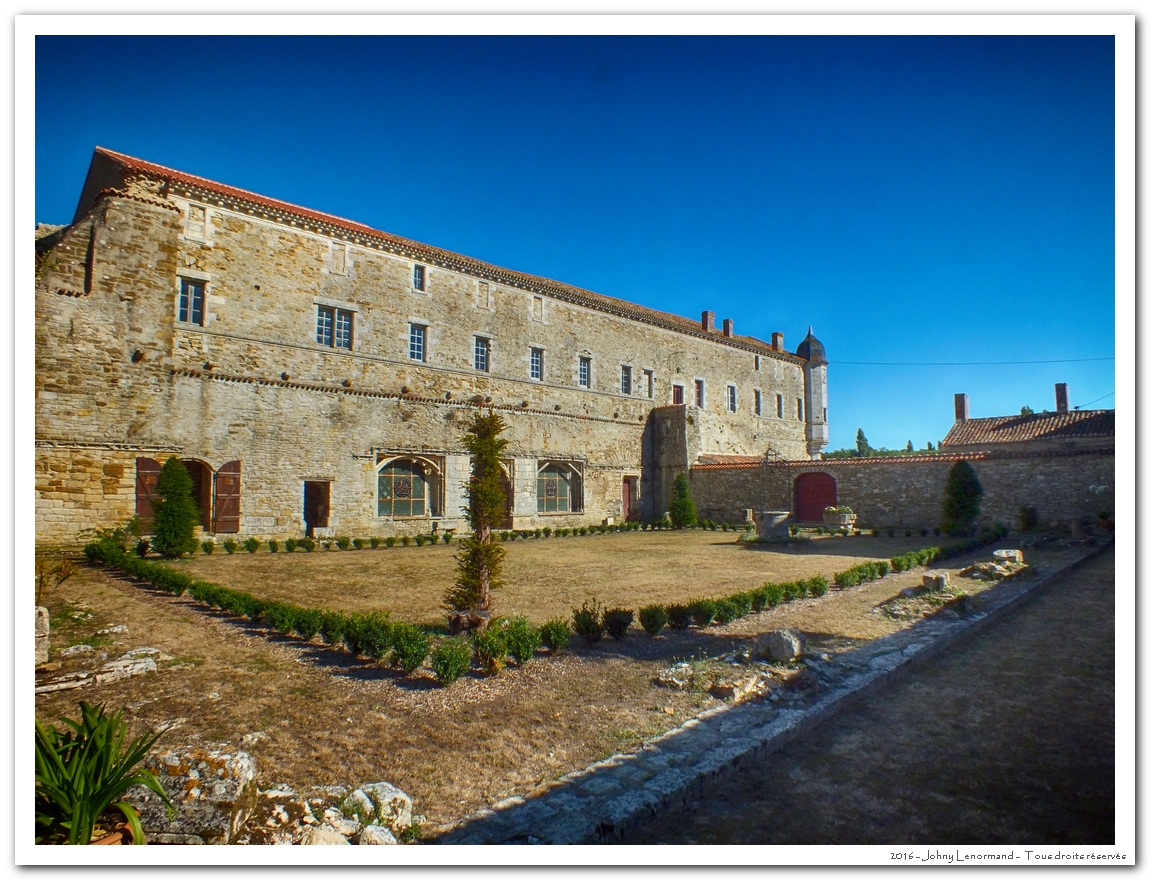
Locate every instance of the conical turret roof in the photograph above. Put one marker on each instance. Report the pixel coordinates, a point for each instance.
(811, 349)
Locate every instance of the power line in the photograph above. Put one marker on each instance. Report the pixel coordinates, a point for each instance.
(1089, 403)
(962, 363)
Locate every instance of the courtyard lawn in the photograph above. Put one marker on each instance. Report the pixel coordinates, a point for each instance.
(545, 577)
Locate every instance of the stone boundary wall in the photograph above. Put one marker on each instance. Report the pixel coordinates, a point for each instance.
(1062, 487)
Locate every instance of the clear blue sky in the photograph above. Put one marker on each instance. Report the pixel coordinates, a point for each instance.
(923, 200)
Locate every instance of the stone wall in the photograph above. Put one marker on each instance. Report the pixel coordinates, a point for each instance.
(118, 376)
(907, 492)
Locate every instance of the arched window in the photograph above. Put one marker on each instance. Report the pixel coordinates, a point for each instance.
(407, 488)
(557, 488)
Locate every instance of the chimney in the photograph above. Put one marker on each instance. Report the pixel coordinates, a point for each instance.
(777, 342)
(961, 408)
(728, 327)
(708, 322)
(1060, 397)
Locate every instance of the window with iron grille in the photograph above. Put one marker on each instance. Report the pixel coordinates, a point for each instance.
(553, 490)
(625, 381)
(191, 301)
(483, 350)
(418, 277)
(417, 342)
(403, 490)
(731, 399)
(585, 372)
(537, 363)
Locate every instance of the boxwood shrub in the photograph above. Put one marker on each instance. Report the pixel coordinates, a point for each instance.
(653, 619)
(451, 660)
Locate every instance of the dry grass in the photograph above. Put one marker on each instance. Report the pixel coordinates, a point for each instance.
(333, 719)
(546, 578)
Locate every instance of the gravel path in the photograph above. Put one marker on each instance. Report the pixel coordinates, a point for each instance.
(1008, 738)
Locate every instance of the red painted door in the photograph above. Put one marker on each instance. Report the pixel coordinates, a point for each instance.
(228, 497)
(813, 493)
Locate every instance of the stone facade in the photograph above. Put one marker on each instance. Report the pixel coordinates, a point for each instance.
(907, 492)
(176, 316)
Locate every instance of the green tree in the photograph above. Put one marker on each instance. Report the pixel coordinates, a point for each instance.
(175, 515)
(480, 560)
(910, 448)
(1026, 411)
(682, 511)
(929, 447)
(961, 499)
(861, 445)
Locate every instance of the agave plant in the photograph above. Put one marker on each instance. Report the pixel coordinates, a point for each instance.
(82, 773)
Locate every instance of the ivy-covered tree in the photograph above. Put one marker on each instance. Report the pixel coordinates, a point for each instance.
(862, 447)
(682, 510)
(175, 514)
(962, 495)
(480, 560)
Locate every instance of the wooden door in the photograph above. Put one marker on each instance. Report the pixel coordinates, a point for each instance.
(228, 497)
(147, 473)
(813, 493)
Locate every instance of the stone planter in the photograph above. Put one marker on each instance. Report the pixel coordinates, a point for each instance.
(836, 519)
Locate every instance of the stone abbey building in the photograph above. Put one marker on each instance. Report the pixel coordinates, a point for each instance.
(316, 375)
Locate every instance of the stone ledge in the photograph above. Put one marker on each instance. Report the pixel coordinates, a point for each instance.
(563, 814)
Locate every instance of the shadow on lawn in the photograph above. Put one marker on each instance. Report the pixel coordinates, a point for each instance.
(873, 547)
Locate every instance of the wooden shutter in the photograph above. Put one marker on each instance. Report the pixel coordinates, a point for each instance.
(147, 473)
(228, 497)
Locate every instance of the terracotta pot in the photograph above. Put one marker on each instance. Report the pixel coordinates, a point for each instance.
(116, 837)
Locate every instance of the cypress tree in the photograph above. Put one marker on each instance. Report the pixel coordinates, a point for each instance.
(961, 499)
(480, 560)
(862, 447)
(682, 510)
(175, 513)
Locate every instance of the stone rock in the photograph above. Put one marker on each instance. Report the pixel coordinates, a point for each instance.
(41, 635)
(936, 581)
(377, 835)
(74, 650)
(124, 668)
(212, 787)
(738, 688)
(679, 676)
(392, 806)
(346, 826)
(280, 817)
(1008, 556)
(249, 740)
(323, 835)
(910, 591)
(779, 645)
(118, 628)
(66, 682)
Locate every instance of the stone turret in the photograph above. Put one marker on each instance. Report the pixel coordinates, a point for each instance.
(814, 393)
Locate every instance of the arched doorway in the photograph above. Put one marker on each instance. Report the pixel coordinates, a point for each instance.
(813, 492)
(201, 489)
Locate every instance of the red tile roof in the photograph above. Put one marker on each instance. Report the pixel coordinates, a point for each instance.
(722, 459)
(1072, 425)
(440, 257)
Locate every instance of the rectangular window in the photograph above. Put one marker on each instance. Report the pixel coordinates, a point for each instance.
(483, 353)
(537, 308)
(334, 327)
(191, 301)
(585, 372)
(824, 414)
(419, 277)
(757, 362)
(537, 363)
(649, 383)
(677, 394)
(731, 399)
(799, 409)
(418, 342)
(699, 393)
(758, 402)
(779, 406)
(625, 380)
